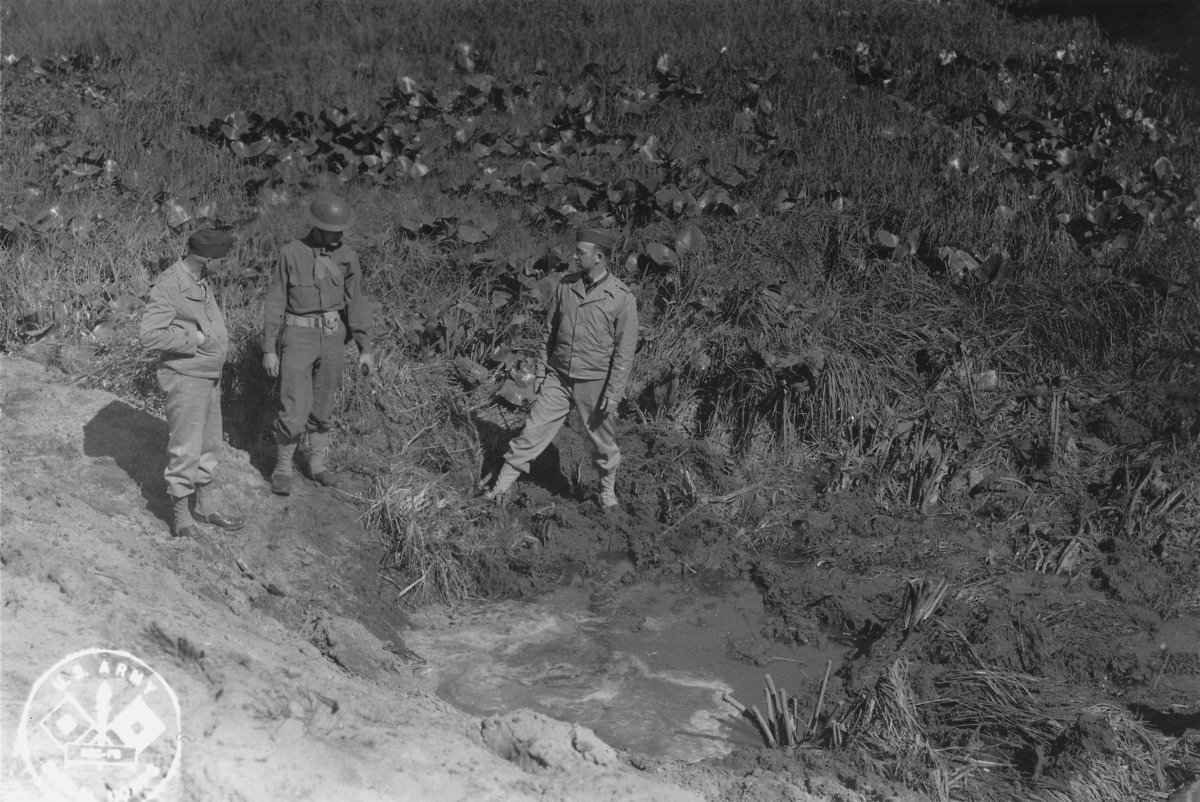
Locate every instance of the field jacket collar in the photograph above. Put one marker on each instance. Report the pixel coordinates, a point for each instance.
(194, 289)
(583, 289)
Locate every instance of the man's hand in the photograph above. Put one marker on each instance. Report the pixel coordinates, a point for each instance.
(271, 365)
(366, 364)
(200, 338)
(604, 408)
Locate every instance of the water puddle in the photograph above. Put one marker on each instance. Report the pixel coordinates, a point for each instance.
(645, 666)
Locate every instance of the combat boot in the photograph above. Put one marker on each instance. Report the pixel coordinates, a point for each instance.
(205, 512)
(285, 452)
(508, 475)
(318, 450)
(184, 525)
(608, 490)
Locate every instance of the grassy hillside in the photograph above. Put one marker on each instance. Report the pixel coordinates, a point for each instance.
(847, 223)
(899, 264)
(912, 243)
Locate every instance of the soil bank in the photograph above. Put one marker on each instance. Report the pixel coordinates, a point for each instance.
(283, 693)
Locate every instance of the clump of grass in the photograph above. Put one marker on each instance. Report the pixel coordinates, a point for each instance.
(428, 537)
(412, 435)
(1132, 765)
(985, 724)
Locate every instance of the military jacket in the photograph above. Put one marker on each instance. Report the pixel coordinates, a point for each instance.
(307, 281)
(593, 331)
(179, 306)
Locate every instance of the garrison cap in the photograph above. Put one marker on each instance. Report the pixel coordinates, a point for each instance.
(210, 243)
(603, 239)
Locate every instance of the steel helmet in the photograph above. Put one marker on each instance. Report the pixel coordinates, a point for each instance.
(330, 213)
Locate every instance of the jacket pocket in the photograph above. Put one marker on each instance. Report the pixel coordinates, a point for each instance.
(302, 275)
(333, 282)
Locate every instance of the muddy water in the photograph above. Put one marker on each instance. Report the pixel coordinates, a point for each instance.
(643, 665)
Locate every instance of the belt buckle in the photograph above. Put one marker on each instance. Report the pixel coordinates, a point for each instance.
(329, 322)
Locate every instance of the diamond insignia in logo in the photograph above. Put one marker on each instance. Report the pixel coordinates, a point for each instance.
(67, 721)
(137, 725)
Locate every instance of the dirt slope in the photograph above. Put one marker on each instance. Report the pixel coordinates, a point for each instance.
(283, 695)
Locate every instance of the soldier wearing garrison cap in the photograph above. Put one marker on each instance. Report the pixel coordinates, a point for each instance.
(316, 293)
(593, 333)
(184, 324)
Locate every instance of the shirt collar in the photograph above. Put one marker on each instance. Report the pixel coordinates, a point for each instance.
(589, 284)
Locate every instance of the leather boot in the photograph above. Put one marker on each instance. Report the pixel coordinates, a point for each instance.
(184, 525)
(281, 477)
(508, 475)
(608, 490)
(206, 514)
(318, 450)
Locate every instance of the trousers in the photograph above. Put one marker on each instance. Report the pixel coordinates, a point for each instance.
(193, 430)
(310, 371)
(550, 411)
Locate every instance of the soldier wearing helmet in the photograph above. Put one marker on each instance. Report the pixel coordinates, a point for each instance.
(316, 294)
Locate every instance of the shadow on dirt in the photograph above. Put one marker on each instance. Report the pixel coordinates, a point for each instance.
(1173, 724)
(137, 442)
(249, 403)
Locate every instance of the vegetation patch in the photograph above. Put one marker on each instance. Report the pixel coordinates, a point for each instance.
(918, 298)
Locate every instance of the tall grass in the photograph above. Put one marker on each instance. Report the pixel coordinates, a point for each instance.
(855, 155)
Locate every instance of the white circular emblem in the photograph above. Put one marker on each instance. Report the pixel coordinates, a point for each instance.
(101, 725)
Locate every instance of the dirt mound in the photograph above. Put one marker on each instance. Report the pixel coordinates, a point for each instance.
(1029, 682)
(287, 650)
(283, 648)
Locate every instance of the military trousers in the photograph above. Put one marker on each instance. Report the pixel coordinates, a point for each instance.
(193, 430)
(549, 412)
(310, 371)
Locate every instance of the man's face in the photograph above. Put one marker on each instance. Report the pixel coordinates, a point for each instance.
(326, 239)
(208, 264)
(590, 257)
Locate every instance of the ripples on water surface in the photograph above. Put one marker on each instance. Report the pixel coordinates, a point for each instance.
(644, 666)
